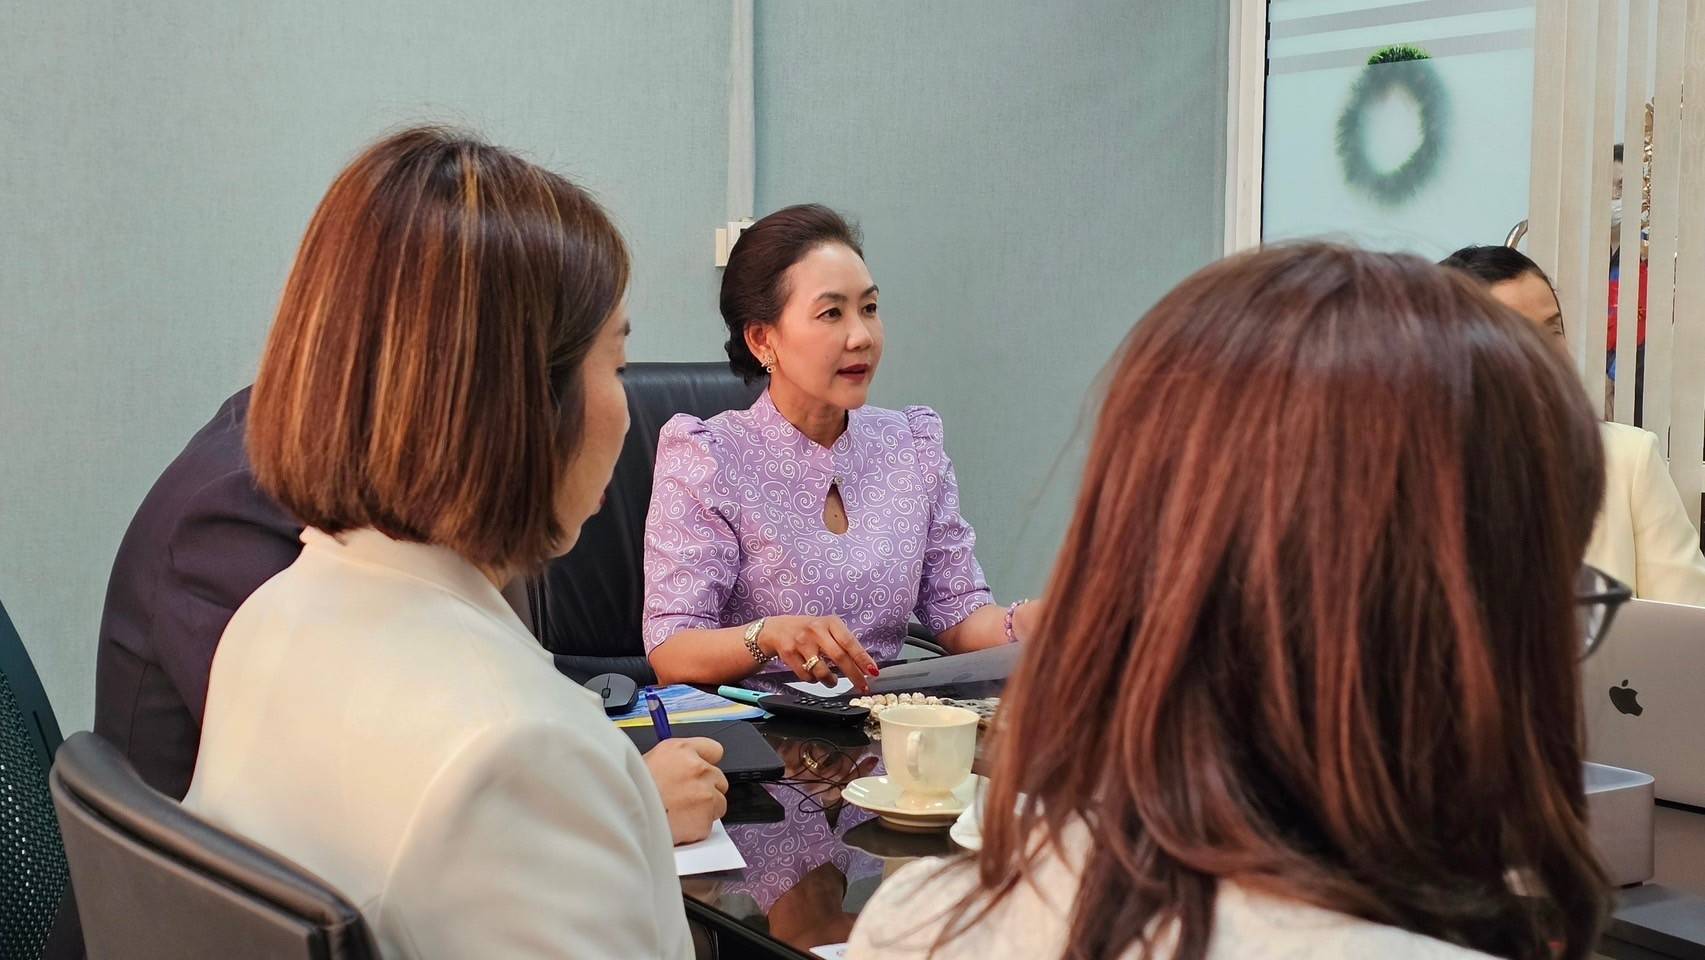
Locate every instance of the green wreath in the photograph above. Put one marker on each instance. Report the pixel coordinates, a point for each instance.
(1418, 78)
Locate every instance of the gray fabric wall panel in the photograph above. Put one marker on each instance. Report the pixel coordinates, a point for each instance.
(1030, 178)
(158, 163)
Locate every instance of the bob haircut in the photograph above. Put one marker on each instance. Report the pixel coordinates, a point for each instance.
(422, 376)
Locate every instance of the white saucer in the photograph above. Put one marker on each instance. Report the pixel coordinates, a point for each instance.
(966, 831)
(881, 796)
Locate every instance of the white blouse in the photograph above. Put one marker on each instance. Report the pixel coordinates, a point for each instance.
(909, 910)
(378, 714)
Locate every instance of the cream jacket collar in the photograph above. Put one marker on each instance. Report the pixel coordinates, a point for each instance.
(438, 566)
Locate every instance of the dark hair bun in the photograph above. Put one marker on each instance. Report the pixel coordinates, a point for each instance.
(753, 287)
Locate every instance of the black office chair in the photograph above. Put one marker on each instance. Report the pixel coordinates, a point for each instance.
(587, 607)
(33, 876)
(154, 881)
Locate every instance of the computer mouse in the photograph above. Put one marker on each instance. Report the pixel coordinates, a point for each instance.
(619, 692)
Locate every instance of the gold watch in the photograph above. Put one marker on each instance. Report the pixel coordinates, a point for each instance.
(757, 652)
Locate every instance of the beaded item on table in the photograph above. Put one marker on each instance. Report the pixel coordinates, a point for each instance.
(876, 703)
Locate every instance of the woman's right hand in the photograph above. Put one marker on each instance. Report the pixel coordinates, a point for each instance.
(694, 791)
(814, 648)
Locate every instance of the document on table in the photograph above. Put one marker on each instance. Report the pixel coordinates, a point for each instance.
(991, 663)
(713, 853)
(686, 704)
(842, 685)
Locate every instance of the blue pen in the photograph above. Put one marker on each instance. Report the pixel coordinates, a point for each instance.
(659, 716)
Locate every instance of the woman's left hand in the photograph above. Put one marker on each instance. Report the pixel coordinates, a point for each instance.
(987, 627)
(1027, 619)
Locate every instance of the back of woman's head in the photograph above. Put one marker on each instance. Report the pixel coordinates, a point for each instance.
(423, 374)
(1313, 623)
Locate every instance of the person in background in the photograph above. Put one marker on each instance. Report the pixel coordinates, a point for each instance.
(1643, 537)
(440, 403)
(802, 534)
(1333, 511)
(203, 540)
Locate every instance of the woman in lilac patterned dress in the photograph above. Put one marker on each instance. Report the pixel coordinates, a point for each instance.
(804, 533)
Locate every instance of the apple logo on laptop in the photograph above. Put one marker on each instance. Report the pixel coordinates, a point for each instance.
(1626, 700)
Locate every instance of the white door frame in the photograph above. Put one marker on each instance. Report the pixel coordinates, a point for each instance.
(1246, 110)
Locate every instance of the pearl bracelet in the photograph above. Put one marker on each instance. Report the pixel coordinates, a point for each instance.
(1012, 637)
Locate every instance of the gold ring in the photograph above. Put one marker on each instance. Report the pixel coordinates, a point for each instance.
(810, 664)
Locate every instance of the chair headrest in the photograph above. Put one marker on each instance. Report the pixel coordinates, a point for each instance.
(658, 391)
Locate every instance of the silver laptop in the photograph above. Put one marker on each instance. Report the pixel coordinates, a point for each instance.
(1644, 693)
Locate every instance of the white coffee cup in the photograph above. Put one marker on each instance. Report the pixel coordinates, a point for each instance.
(928, 748)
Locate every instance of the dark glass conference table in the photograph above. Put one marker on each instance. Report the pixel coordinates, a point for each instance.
(812, 859)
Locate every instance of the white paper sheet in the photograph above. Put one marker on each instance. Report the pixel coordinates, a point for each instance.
(834, 951)
(842, 685)
(713, 853)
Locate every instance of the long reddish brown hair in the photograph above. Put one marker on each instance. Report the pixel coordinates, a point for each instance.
(1312, 628)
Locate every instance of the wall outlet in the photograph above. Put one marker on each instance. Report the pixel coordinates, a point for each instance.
(725, 238)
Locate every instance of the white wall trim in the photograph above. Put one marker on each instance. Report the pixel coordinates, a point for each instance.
(742, 143)
(1246, 108)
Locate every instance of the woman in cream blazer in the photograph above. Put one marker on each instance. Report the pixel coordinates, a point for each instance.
(379, 714)
(440, 403)
(1643, 537)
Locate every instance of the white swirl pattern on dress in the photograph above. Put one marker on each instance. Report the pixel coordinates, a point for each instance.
(736, 528)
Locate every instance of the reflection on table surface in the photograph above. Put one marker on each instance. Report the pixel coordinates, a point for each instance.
(814, 860)
(812, 864)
